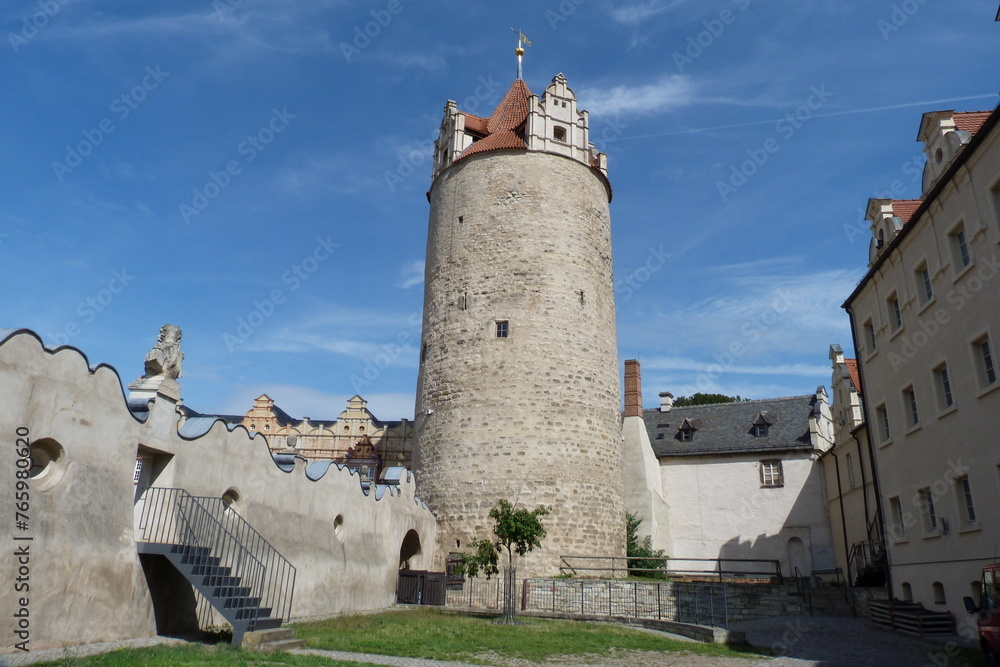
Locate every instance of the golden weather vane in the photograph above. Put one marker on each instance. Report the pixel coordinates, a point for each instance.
(522, 41)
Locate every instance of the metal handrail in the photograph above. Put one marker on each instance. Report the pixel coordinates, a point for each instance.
(802, 587)
(173, 516)
(773, 566)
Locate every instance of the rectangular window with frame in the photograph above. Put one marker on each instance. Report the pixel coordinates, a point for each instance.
(895, 315)
(964, 491)
(960, 249)
(898, 527)
(987, 370)
(995, 192)
(850, 471)
(930, 514)
(882, 418)
(941, 378)
(870, 336)
(138, 470)
(502, 329)
(910, 403)
(771, 474)
(925, 288)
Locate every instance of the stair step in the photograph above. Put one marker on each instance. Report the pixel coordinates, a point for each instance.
(242, 603)
(266, 623)
(212, 581)
(201, 570)
(231, 591)
(283, 645)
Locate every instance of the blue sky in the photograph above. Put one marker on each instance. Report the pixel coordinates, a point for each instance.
(254, 172)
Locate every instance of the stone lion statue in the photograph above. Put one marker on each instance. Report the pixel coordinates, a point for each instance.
(166, 356)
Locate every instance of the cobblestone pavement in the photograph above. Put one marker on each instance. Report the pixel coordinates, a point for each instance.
(805, 641)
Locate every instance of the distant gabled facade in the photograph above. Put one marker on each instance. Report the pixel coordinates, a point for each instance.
(732, 480)
(926, 326)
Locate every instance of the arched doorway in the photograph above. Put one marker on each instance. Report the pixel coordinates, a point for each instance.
(408, 549)
(798, 557)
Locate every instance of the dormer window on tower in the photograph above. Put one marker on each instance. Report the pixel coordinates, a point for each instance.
(559, 133)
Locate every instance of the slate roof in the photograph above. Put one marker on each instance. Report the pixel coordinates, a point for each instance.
(727, 428)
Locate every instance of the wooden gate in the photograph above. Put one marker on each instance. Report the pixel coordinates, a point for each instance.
(420, 587)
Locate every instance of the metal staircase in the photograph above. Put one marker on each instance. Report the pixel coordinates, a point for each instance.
(228, 562)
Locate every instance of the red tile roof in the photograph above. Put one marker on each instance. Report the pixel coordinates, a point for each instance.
(505, 126)
(971, 121)
(905, 208)
(476, 124)
(852, 368)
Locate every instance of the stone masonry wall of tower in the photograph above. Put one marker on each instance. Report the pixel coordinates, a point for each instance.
(522, 237)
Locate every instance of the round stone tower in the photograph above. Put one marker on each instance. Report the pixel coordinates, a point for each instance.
(518, 391)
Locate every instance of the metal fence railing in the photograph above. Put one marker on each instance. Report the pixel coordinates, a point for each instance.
(718, 569)
(175, 517)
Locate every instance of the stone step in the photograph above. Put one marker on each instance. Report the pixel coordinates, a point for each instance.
(282, 645)
(257, 637)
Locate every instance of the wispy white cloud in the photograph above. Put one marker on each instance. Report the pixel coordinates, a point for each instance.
(634, 14)
(411, 274)
(669, 92)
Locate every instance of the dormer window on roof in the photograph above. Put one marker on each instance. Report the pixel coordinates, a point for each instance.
(685, 432)
(761, 424)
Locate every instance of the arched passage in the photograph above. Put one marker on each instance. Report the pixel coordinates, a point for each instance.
(408, 549)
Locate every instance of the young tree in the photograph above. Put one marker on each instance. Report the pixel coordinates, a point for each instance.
(653, 559)
(517, 530)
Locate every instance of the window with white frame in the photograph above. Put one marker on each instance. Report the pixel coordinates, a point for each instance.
(943, 383)
(961, 255)
(985, 364)
(968, 508)
(502, 328)
(870, 336)
(928, 511)
(910, 407)
(895, 315)
(925, 287)
(771, 474)
(898, 527)
(138, 470)
(882, 419)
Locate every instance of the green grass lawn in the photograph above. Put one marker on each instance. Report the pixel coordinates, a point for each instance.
(199, 654)
(443, 636)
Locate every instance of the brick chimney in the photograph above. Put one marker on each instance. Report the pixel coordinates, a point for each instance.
(633, 389)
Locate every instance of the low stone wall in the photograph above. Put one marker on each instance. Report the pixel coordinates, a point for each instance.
(715, 604)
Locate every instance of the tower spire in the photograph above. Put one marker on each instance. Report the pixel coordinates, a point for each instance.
(522, 41)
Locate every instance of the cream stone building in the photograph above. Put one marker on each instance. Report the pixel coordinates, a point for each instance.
(858, 534)
(926, 325)
(113, 551)
(356, 438)
(731, 481)
(518, 388)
